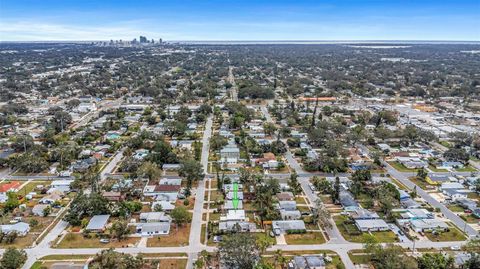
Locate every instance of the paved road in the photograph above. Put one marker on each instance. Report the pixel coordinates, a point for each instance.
(196, 227)
(231, 79)
(333, 233)
(403, 178)
(109, 168)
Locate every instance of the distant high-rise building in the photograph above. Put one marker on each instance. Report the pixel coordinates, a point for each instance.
(143, 39)
(160, 41)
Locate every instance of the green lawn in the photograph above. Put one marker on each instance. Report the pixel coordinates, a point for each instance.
(382, 237)
(401, 168)
(455, 208)
(453, 235)
(359, 258)
(467, 168)
(434, 169)
(422, 184)
(305, 239)
(470, 218)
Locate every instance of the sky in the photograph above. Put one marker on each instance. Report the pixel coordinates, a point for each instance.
(204, 20)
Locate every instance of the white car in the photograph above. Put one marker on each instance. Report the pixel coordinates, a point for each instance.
(455, 247)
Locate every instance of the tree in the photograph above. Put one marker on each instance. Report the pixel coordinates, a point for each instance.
(321, 215)
(217, 142)
(435, 261)
(279, 259)
(13, 258)
(149, 170)
(294, 185)
(389, 256)
(322, 185)
(204, 260)
(60, 121)
(192, 170)
(269, 128)
(12, 201)
(119, 229)
(180, 216)
(422, 173)
(239, 250)
(457, 154)
(86, 205)
(110, 259)
(336, 190)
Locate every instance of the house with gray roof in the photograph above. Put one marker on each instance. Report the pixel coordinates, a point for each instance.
(97, 223)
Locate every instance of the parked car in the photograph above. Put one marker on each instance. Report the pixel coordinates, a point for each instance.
(277, 231)
(105, 240)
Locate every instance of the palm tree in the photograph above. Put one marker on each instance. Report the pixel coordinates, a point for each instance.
(279, 259)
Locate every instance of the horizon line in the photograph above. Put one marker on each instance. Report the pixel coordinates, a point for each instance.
(199, 41)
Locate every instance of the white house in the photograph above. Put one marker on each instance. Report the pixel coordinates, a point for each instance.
(61, 185)
(21, 228)
(153, 228)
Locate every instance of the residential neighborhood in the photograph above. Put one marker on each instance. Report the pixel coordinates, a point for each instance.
(189, 156)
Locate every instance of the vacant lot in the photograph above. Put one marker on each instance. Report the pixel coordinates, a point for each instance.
(176, 238)
(77, 240)
(305, 239)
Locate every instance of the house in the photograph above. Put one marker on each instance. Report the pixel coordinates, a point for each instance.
(451, 185)
(229, 205)
(363, 214)
(61, 185)
(171, 167)
(421, 213)
(171, 181)
(235, 220)
(140, 154)
(21, 228)
(165, 205)
(287, 205)
(241, 226)
(449, 165)
(154, 217)
(476, 213)
(347, 201)
(234, 215)
(467, 203)
(230, 154)
(371, 225)
(454, 194)
(51, 198)
(97, 223)
(113, 196)
(10, 186)
(409, 204)
(307, 262)
(436, 179)
(285, 196)
(285, 226)
(155, 190)
(423, 225)
(38, 209)
(290, 214)
(153, 228)
(230, 195)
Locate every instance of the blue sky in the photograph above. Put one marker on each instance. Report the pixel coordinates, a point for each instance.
(33, 20)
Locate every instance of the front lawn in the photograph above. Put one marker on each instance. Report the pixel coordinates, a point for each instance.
(308, 238)
(77, 240)
(453, 235)
(401, 168)
(358, 237)
(176, 238)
